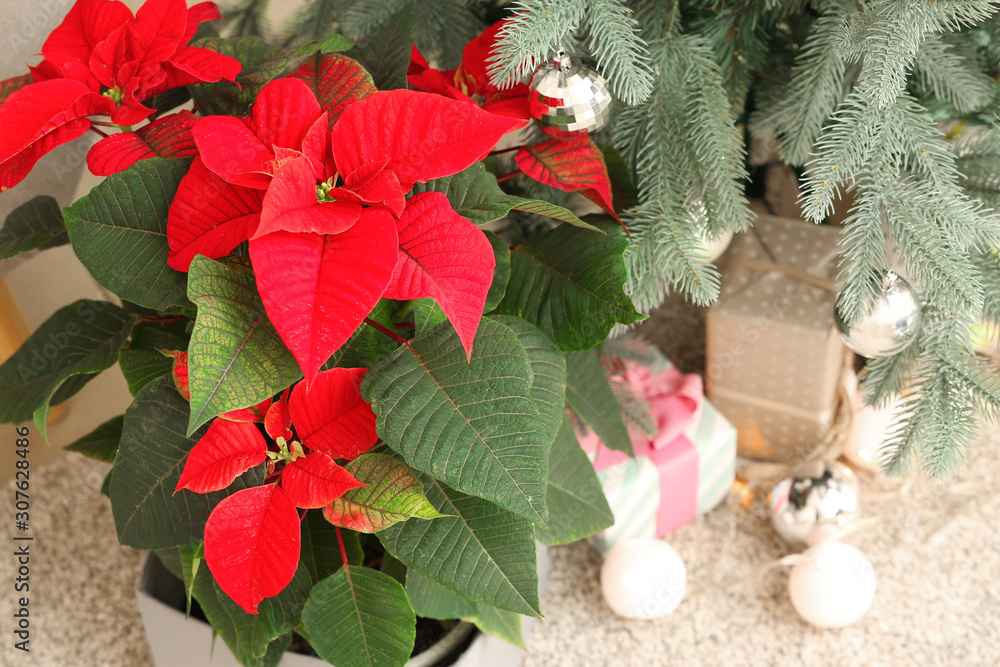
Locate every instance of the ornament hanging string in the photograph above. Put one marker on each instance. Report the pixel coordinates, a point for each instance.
(895, 499)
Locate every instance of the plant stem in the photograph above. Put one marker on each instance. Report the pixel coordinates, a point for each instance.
(668, 21)
(391, 334)
(507, 150)
(162, 318)
(507, 177)
(340, 541)
(405, 325)
(100, 132)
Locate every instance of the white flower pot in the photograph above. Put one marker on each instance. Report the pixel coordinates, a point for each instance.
(175, 640)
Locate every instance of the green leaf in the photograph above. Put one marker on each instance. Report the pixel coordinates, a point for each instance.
(479, 551)
(79, 340)
(626, 195)
(501, 274)
(548, 388)
(275, 652)
(235, 358)
(106, 484)
(33, 224)
(590, 396)
(360, 617)
(570, 284)
(332, 43)
(577, 506)
(119, 232)
(251, 637)
(261, 61)
(142, 361)
(432, 600)
(191, 556)
(470, 423)
(393, 494)
(101, 444)
(320, 553)
(148, 514)
(504, 624)
(367, 346)
(386, 51)
(475, 195)
(427, 314)
(393, 567)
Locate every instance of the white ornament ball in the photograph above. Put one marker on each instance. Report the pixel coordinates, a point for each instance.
(834, 587)
(715, 247)
(869, 429)
(643, 578)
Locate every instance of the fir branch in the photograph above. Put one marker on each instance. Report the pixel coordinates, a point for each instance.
(738, 35)
(441, 28)
(950, 76)
(667, 253)
(988, 263)
(816, 88)
(844, 150)
(978, 378)
(862, 255)
(890, 35)
(900, 448)
(636, 410)
(716, 147)
(316, 19)
(949, 426)
(616, 351)
(945, 273)
(534, 31)
(620, 52)
(246, 18)
(886, 376)
(364, 16)
(977, 158)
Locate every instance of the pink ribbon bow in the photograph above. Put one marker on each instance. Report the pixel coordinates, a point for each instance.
(674, 398)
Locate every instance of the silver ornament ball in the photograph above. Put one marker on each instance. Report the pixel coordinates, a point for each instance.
(891, 325)
(567, 97)
(809, 510)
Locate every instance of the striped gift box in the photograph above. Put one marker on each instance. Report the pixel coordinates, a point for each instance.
(634, 489)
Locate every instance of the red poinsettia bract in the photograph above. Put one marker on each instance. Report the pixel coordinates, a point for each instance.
(103, 61)
(572, 164)
(325, 211)
(252, 536)
(470, 81)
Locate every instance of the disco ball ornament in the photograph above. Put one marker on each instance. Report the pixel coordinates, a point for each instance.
(567, 97)
(810, 510)
(891, 325)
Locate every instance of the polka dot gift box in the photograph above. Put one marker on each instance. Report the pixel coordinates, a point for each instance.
(773, 358)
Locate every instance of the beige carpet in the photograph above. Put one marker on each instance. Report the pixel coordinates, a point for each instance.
(936, 557)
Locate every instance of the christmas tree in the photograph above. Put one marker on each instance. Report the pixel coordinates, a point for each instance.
(891, 102)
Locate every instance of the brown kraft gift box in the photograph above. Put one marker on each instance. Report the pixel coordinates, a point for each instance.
(774, 357)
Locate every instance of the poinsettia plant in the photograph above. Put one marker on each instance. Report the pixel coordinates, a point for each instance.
(323, 342)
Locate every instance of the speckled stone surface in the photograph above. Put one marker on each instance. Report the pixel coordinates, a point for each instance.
(83, 610)
(935, 550)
